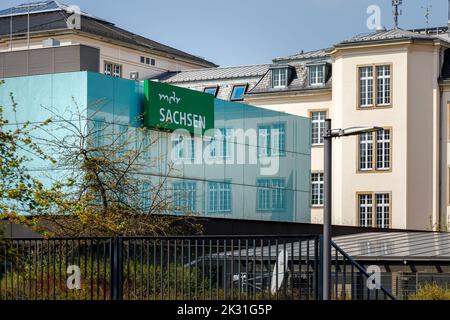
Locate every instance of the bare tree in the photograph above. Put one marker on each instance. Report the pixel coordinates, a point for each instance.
(104, 164)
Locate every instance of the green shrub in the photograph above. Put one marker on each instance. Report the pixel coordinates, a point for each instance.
(431, 291)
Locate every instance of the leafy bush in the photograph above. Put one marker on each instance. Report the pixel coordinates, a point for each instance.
(431, 291)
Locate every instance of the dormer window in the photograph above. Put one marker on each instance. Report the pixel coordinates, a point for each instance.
(317, 75)
(280, 77)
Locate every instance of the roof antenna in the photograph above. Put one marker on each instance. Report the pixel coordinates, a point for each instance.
(396, 4)
(427, 16)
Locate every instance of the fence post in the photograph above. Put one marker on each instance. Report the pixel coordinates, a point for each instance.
(319, 271)
(116, 269)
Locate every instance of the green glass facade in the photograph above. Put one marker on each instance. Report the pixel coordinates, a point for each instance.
(264, 176)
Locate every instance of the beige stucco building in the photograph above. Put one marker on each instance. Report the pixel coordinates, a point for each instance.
(395, 79)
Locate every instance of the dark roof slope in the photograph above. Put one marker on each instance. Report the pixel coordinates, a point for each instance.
(321, 53)
(215, 73)
(53, 18)
(388, 35)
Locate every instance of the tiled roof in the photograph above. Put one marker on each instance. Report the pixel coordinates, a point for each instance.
(393, 34)
(215, 73)
(322, 53)
(298, 81)
(52, 16)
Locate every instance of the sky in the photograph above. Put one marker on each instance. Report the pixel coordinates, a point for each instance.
(240, 32)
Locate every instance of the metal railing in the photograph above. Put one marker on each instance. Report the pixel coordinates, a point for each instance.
(175, 268)
(350, 281)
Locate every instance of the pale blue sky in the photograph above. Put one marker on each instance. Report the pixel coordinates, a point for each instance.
(237, 32)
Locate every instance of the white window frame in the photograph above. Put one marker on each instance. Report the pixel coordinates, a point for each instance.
(366, 94)
(318, 126)
(316, 74)
(317, 189)
(365, 154)
(383, 92)
(383, 152)
(365, 210)
(375, 151)
(280, 77)
(112, 69)
(383, 210)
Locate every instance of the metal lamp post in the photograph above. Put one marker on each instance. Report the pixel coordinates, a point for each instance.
(329, 134)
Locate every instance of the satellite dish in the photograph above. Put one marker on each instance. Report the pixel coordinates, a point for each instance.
(279, 272)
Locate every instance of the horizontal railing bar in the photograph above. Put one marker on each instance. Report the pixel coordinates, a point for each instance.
(298, 237)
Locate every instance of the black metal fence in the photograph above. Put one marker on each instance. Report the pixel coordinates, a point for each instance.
(175, 268)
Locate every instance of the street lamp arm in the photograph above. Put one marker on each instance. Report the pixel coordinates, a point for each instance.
(354, 131)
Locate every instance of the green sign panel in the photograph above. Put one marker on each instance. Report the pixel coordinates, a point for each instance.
(170, 108)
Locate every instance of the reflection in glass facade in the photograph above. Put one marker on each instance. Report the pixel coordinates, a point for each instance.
(255, 165)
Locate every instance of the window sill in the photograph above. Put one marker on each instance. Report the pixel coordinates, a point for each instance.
(321, 206)
(319, 145)
(374, 171)
(387, 106)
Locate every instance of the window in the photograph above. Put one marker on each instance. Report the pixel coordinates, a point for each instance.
(383, 85)
(278, 194)
(108, 69)
(112, 69)
(366, 151)
(264, 195)
(383, 211)
(148, 61)
(383, 150)
(184, 196)
(221, 144)
(317, 189)
(117, 71)
(272, 140)
(238, 93)
(279, 77)
(365, 210)
(380, 77)
(212, 90)
(271, 194)
(374, 202)
(219, 197)
(376, 158)
(278, 139)
(316, 75)
(318, 127)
